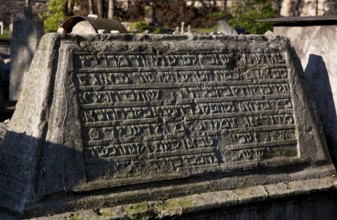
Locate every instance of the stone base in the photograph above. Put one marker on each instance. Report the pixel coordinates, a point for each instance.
(307, 199)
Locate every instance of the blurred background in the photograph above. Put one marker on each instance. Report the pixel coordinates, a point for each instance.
(162, 16)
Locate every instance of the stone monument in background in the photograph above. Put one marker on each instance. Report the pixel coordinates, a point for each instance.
(317, 53)
(25, 38)
(175, 124)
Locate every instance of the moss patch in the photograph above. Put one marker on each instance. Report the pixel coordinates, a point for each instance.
(73, 216)
(140, 211)
(171, 207)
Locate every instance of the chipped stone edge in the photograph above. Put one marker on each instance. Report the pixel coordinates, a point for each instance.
(203, 201)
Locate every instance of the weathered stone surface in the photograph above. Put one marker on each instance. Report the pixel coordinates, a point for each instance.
(118, 119)
(3, 130)
(218, 204)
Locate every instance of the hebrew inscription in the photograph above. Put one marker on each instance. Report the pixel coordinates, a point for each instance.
(184, 112)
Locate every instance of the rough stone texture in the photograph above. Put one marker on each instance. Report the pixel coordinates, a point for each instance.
(3, 130)
(264, 202)
(107, 120)
(317, 51)
(26, 36)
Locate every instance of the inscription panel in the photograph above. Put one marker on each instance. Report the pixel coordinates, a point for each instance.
(184, 112)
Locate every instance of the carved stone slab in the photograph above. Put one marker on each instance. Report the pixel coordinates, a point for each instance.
(149, 117)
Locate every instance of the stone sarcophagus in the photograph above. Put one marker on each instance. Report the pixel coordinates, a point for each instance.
(105, 120)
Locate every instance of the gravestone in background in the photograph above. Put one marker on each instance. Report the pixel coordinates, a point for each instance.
(223, 27)
(25, 38)
(1, 28)
(105, 120)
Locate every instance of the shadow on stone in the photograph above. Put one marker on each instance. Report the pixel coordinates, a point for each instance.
(34, 171)
(320, 87)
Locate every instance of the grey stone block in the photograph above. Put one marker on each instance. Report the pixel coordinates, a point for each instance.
(105, 120)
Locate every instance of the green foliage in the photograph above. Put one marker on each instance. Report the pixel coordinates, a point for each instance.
(247, 12)
(205, 30)
(219, 15)
(55, 15)
(6, 34)
(157, 30)
(139, 27)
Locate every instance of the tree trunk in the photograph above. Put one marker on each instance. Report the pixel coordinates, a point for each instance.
(27, 3)
(90, 4)
(296, 7)
(70, 6)
(111, 9)
(100, 8)
(27, 10)
(155, 6)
